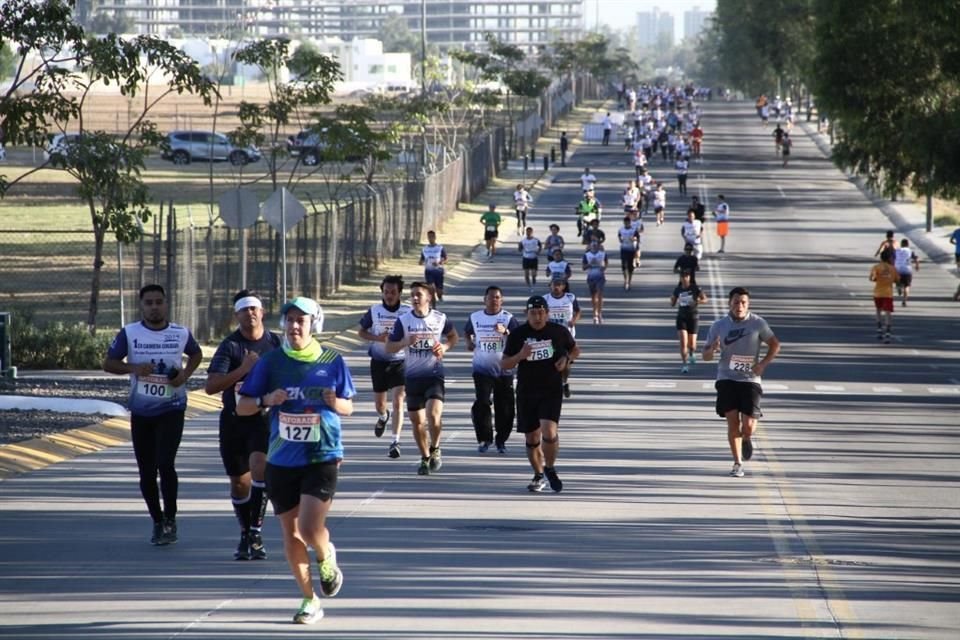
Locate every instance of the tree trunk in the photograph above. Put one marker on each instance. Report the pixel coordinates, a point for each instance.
(98, 235)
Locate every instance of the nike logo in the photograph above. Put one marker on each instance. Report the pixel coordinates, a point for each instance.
(733, 336)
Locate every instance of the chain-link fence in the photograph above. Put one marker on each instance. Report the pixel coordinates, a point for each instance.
(47, 276)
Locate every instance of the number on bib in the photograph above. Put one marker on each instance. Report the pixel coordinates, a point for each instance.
(154, 386)
(299, 427)
(542, 350)
(741, 364)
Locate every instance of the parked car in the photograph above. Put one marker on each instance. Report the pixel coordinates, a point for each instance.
(183, 147)
(58, 146)
(309, 146)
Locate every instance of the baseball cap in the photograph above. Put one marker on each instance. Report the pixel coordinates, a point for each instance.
(536, 302)
(306, 305)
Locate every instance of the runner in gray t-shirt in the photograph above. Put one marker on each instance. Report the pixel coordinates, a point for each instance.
(738, 336)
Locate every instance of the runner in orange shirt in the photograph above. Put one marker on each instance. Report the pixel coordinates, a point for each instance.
(884, 275)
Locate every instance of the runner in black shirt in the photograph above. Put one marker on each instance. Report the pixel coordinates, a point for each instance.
(541, 351)
(687, 262)
(687, 297)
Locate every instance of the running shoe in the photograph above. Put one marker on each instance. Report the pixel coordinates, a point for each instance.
(170, 530)
(747, 449)
(424, 468)
(483, 447)
(381, 425)
(243, 549)
(331, 578)
(394, 451)
(684, 369)
(309, 612)
(737, 471)
(566, 390)
(886, 338)
(257, 550)
(538, 484)
(158, 539)
(693, 358)
(502, 449)
(555, 483)
(436, 462)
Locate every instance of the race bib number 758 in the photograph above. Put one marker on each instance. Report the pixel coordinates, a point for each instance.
(542, 350)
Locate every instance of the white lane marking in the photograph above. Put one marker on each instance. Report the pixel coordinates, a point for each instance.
(944, 390)
(887, 390)
(954, 381)
(605, 384)
(915, 352)
(843, 284)
(829, 387)
(709, 385)
(851, 293)
(782, 194)
(775, 387)
(661, 385)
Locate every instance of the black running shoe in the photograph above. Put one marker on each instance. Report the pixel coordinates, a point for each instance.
(424, 468)
(257, 550)
(566, 390)
(436, 461)
(747, 449)
(381, 425)
(394, 451)
(555, 483)
(170, 530)
(243, 549)
(158, 539)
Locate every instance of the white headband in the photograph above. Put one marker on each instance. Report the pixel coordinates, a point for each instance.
(249, 301)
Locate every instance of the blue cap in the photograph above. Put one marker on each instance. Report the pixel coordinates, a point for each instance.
(306, 305)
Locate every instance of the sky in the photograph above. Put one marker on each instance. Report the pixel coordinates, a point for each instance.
(617, 13)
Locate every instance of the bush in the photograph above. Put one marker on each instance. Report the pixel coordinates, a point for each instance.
(946, 220)
(56, 345)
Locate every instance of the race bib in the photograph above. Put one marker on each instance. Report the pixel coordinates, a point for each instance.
(685, 299)
(741, 364)
(542, 350)
(558, 317)
(490, 344)
(300, 427)
(422, 342)
(491, 227)
(385, 326)
(154, 386)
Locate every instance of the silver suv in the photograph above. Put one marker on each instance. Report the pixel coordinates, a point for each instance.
(185, 146)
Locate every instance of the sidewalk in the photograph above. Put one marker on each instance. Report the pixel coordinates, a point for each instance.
(908, 217)
(461, 235)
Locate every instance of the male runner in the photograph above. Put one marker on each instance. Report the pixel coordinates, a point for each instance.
(558, 268)
(906, 262)
(687, 297)
(530, 248)
(486, 333)
(587, 180)
(737, 336)
(540, 350)
(521, 203)
(243, 439)
(554, 241)
(564, 310)
(659, 202)
(427, 335)
(491, 222)
(154, 350)
(884, 275)
(587, 209)
(629, 237)
(386, 369)
(433, 256)
(692, 233)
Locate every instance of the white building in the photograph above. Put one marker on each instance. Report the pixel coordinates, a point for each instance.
(694, 21)
(364, 63)
(652, 26)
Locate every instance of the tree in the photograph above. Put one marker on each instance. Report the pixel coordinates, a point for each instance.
(107, 168)
(264, 124)
(504, 63)
(7, 61)
(396, 36)
(118, 22)
(888, 75)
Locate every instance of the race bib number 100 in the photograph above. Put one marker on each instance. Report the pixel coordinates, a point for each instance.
(154, 386)
(299, 427)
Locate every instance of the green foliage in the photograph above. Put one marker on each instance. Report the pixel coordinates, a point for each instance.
(56, 345)
(894, 95)
(397, 37)
(49, 97)
(118, 22)
(7, 61)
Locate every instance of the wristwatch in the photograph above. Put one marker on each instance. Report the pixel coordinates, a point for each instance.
(260, 401)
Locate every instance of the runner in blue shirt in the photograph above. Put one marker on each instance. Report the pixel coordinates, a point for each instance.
(306, 389)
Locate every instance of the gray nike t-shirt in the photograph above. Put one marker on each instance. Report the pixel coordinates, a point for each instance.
(739, 346)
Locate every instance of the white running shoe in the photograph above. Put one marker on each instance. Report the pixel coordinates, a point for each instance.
(737, 471)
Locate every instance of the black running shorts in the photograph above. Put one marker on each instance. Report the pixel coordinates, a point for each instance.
(531, 263)
(419, 390)
(239, 437)
(386, 374)
(285, 485)
(743, 397)
(687, 323)
(531, 409)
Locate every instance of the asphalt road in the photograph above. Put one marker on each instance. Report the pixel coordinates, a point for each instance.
(846, 525)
